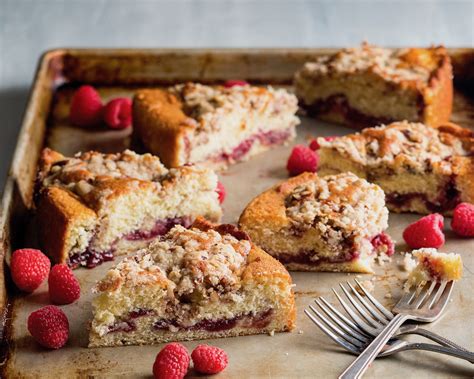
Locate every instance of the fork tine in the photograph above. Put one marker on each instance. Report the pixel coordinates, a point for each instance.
(346, 345)
(353, 325)
(347, 328)
(433, 298)
(373, 300)
(406, 298)
(359, 309)
(362, 324)
(367, 306)
(425, 292)
(335, 329)
(443, 299)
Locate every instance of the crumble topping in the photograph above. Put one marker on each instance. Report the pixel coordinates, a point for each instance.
(194, 265)
(206, 104)
(396, 65)
(81, 172)
(401, 145)
(342, 207)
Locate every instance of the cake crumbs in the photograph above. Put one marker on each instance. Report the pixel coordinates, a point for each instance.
(271, 333)
(300, 332)
(408, 263)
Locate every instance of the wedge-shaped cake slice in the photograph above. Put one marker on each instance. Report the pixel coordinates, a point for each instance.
(432, 265)
(203, 282)
(312, 223)
(215, 125)
(93, 205)
(421, 169)
(369, 85)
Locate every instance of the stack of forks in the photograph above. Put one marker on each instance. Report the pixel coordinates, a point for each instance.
(369, 330)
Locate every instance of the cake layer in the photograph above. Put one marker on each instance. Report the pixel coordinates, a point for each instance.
(320, 223)
(369, 85)
(93, 206)
(203, 282)
(213, 125)
(421, 169)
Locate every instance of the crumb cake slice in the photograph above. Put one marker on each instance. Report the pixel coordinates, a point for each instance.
(93, 205)
(215, 125)
(421, 169)
(369, 85)
(312, 223)
(434, 266)
(203, 282)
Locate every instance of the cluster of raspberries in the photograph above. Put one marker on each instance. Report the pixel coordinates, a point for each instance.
(172, 362)
(49, 325)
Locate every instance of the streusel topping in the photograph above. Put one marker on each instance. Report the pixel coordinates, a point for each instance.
(194, 264)
(340, 206)
(206, 104)
(401, 145)
(81, 172)
(395, 65)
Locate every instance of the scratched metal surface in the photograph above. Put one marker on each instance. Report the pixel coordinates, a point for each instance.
(306, 352)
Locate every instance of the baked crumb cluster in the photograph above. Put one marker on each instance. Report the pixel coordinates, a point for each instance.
(207, 104)
(401, 146)
(85, 170)
(340, 206)
(403, 65)
(194, 265)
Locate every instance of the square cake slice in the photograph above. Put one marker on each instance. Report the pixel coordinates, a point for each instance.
(312, 223)
(215, 125)
(420, 168)
(93, 205)
(203, 282)
(368, 85)
(434, 266)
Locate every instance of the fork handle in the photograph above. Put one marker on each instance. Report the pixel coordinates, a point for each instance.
(434, 337)
(462, 354)
(360, 365)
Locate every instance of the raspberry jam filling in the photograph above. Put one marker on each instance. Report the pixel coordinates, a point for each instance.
(160, 228)
(447, 199)
(338, 104)
(90, 258)
(270, 138)
(259, 320)
(381, 243)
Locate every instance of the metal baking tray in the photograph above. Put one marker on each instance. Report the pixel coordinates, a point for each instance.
(306, 352)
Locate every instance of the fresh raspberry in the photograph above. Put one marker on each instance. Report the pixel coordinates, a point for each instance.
(49, 326)
(233, 83)
(118, 113)
(86, 107)
(302, 159)
(314, 145)
(64, 288)
(463, 220)
(221, 192)
(426, 232)
(172, 362)
(29, 268)
(209, 359)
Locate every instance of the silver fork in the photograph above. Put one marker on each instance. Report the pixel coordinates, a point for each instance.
(382, 315)
(354, 339)
(424, 303)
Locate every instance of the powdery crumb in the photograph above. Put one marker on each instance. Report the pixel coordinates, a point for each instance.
(368, 285)
(271, 333)
(300, 332)
(388, 295)
(408, 263)
(382, 258)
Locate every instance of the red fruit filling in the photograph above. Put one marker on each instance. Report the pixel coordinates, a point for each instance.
(259, 320)
(338, 104)
(233, 83)
(90, 258)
